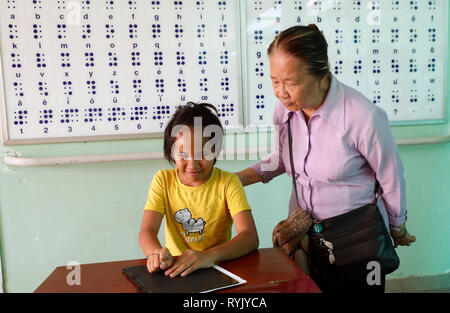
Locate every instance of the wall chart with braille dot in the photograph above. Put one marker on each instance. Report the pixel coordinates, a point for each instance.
(393, 51)
(78, 70)
(109, 69)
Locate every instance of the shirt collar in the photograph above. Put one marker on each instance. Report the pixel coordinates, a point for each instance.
(332, 109)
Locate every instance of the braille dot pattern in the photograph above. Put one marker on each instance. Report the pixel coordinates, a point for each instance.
(161, 112)
(69, 116)
(139, 113)
(45, 116)
(116, 114)
(21, 117)
(93, 115)
(158, 58)
(226, 109)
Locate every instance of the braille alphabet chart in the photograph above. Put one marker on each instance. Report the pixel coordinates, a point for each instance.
(393, 51)
(110, 69)
(79, 70)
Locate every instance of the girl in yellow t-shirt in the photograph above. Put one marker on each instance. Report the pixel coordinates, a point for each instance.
(200, 202)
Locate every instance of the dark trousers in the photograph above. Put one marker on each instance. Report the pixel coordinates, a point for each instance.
(346, 279)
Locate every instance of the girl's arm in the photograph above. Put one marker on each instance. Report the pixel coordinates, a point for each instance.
(158, 257)
(244, 242)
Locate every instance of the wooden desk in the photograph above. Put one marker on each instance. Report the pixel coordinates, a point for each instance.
(265, 270)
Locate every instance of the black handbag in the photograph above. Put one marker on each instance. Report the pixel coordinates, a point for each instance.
(345, 244)
(356, 237)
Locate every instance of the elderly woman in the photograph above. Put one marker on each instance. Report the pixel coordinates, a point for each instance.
(342, 144)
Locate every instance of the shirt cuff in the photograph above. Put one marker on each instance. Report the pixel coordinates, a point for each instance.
(397, 220)
(267, 175)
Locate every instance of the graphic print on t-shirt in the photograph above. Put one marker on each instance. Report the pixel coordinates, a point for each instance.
(190, 225)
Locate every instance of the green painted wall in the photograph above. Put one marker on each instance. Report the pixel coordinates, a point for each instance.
(50, 216)
(91, 213)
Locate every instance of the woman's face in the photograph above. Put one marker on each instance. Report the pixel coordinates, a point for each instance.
(293, 85)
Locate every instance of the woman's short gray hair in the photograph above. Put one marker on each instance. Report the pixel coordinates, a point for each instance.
(306, 43)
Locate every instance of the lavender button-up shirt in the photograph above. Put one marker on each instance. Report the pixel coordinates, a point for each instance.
(339, 154)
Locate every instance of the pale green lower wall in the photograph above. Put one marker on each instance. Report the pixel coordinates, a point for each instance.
(92, 213)
(427, 174)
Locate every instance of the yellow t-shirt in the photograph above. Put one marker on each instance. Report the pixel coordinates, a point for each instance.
(200, 217)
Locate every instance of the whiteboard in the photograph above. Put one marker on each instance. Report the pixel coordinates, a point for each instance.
(393, 51)
(80, 70)
(93, 70)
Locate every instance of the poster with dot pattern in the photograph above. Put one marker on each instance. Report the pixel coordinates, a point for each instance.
(393, 51)
(110, 69)
(79, 70)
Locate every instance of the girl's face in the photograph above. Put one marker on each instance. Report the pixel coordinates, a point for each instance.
(194, 167)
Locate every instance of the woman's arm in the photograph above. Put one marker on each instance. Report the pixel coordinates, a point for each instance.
(378, 146)
(158, 257)
(249, 177)
(272, 165)
(244, 242)
(267, 168)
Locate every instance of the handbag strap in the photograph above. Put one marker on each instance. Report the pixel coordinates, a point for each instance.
(291, 157)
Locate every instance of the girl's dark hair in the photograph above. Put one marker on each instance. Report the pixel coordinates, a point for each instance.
(306, 43)
(184, 115)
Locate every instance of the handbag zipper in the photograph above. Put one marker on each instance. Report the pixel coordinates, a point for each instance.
(330, 247)
(352, 230)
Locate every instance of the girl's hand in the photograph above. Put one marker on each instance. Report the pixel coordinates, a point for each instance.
(401, 236)
(189, 261)
(160, 259)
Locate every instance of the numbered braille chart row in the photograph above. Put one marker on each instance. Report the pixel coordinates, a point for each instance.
(87, 121)
(87, 115)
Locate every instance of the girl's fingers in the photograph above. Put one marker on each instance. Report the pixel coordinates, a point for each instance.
(180, 270)
(151, 264)
(165, 254)
(149, 267)
(155, 261)
(172, 268)
(179, 266)
(189, 270)
(168, 263)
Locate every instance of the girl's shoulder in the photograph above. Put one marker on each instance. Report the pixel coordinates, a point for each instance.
(226, 177)
(165, 175)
